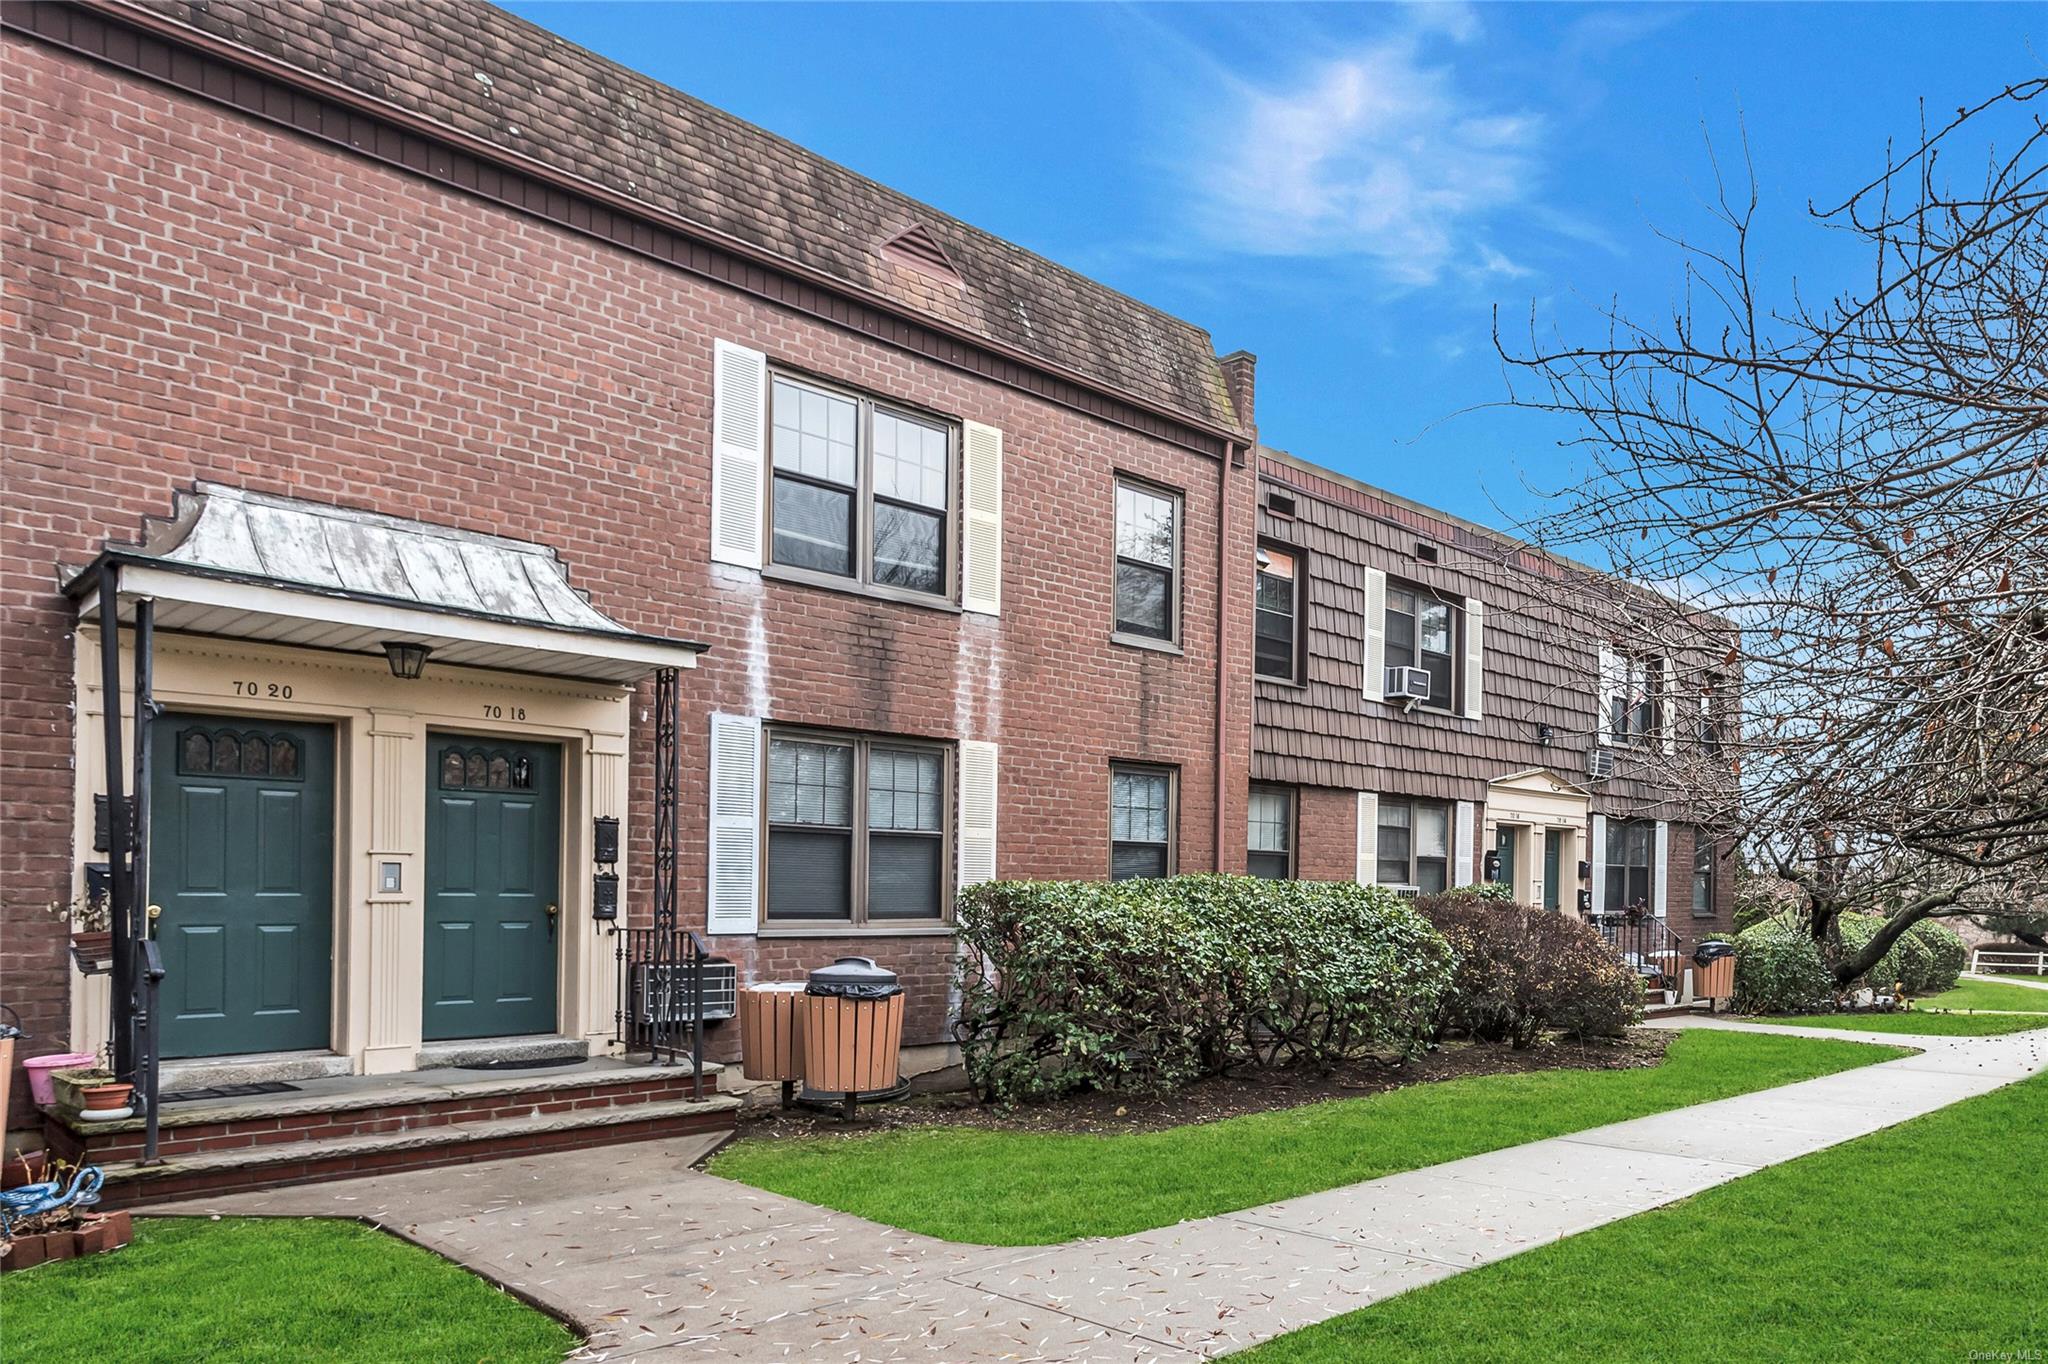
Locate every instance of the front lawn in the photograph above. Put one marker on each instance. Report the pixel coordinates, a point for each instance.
(1916, 1023)
(260, 1289)
(1822, 1258)
(1981, 994)
(1039, 1188)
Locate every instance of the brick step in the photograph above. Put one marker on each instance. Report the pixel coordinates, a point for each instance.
(452, 1143)
(362, 1106)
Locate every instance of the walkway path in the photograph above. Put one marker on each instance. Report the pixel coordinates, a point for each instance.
(656, 1259)
(2008, 980)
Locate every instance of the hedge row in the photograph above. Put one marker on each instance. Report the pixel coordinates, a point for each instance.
(1147, 985)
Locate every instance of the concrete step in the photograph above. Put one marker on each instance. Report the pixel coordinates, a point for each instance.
(487, 1050)
(452, 1143)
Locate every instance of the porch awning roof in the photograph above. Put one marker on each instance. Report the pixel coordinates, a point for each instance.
(279, 570)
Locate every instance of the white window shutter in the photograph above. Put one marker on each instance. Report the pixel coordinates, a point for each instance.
(1667, 706)
(977, 812)
(1461, 855)
(1612, 683)
(1658, 872)
(739, 453)
(1598, 859)
(981, 535)
(1475, 657)
(1368, 838)
(1375, 635)
(734, 879)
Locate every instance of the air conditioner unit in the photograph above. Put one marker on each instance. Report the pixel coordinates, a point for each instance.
(664, 991)
(1600, 764)
(1407, 684)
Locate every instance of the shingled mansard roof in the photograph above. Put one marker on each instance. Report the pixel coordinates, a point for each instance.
(491, 75)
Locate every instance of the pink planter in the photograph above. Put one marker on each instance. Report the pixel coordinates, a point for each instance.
(41, 1086)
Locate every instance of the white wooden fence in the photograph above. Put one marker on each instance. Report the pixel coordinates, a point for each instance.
(1984, 962)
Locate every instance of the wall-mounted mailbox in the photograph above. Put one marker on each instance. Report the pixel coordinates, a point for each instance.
(1490, 865)
(604, 896)
(1585, 871)
(604, 840)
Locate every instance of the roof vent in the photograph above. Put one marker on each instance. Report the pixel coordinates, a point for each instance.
(1425, 551)
(920, 250)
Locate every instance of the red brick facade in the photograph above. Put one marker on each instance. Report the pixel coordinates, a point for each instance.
(198, 296)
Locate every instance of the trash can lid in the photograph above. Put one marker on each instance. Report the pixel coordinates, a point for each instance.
(1712, 951)
(853, 978)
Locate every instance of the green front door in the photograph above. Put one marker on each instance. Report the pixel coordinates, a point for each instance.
(493, 885)
(1553, 868)
(1504, 840)
(241, 859)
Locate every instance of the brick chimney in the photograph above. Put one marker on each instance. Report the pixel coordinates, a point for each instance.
(1238, 369)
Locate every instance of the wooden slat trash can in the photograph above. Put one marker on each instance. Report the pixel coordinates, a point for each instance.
(1714, 970)
(771, 1034)
(853, 1030)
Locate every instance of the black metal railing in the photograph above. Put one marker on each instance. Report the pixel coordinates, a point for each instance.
(1647, 944)
(661, 997)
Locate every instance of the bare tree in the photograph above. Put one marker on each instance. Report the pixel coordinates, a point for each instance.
(1857, 486)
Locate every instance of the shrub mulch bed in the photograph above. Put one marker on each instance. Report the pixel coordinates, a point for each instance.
(1252, 1091)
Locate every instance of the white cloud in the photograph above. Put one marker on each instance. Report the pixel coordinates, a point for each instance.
(1379, 153)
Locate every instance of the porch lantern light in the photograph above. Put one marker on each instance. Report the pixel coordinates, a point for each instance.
(408, 660)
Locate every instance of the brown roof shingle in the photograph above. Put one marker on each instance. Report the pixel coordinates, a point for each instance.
(493, 76)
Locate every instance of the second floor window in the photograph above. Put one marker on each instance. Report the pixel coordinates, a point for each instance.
(1422, 630)
(1710, 719)
(1629, 851)
(1415, 844)
(862, 491)
(1140, 821)
(1631, 699)
(856, 830)
(1147, 562)
(1270, 851)
(1278, 614)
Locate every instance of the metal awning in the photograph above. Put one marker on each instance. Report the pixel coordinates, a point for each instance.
(278, 570)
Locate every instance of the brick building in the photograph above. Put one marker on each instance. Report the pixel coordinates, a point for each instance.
(340, 327)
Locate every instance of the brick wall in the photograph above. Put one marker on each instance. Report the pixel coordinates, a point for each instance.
(197, 296)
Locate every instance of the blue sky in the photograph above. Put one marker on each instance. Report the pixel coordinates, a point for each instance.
(1350, 192)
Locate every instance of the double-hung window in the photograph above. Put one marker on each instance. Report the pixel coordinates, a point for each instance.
(1710, 719)
(1702, 875)
(857, 829)
(1270, 851)
(1415, 844)
(1140, 821)
(1147, 562)
(1277, 613)
(1632, 700)
(861, 490)
(1629, 852)
(1422, 632)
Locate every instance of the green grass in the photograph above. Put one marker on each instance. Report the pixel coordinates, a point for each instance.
(1978, 994)
(1919, 1024)
(1902, 1245)
(1035, 1188)
(262, 1289)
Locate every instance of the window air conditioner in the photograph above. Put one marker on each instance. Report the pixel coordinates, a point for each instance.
(1407, 684)
(1599, 764)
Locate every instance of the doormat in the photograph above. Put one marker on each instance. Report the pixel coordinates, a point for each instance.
(189, 1096)
(547, 1064)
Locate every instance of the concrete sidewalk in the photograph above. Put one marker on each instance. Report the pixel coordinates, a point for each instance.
(2007, 980)
(656, 1259)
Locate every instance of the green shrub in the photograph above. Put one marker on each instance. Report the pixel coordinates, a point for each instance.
(1498, 892)
(1778, 969)
(1926, 959)
(1524, 971)
(1947, 955)
(1147, 985)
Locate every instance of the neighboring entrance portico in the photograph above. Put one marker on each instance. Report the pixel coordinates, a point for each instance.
(1538, 821)
(327, 881)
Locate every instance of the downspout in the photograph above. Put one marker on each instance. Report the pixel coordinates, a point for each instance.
(1223, 467)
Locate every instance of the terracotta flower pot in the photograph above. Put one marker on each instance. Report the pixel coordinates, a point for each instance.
(107, 1098)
